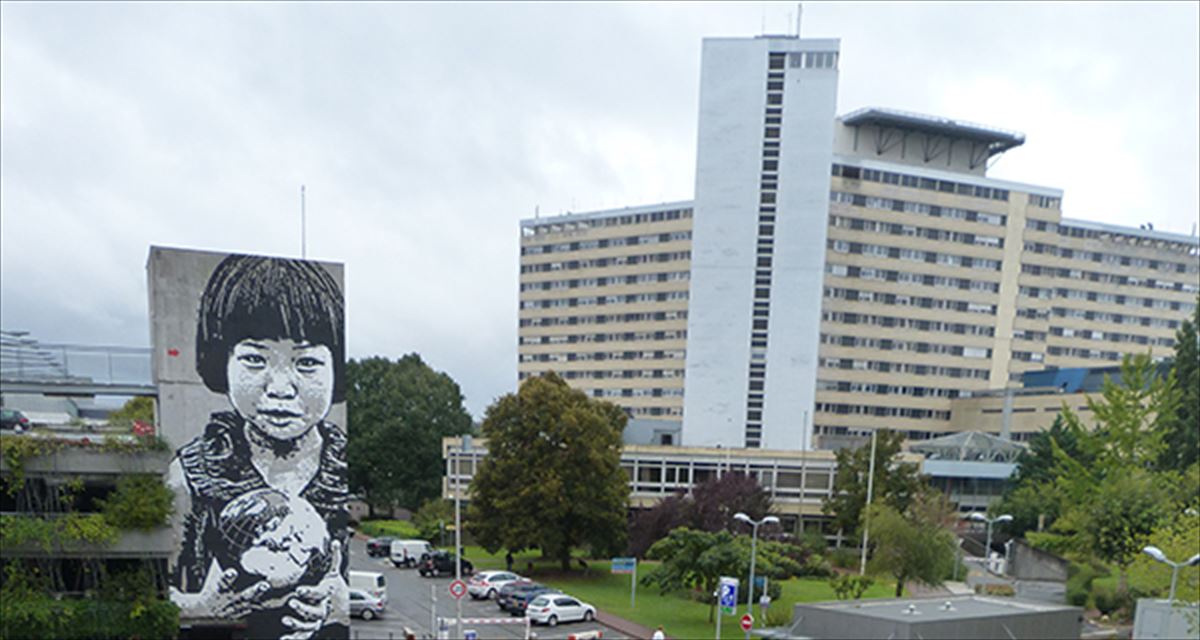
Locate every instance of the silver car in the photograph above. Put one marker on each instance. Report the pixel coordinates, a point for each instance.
(365, 605)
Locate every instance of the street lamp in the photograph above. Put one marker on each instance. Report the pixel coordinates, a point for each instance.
(1157, 554)
(979, 517)
(753, 550)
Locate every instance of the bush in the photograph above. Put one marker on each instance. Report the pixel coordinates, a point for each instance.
(140, 502)
(1079, 583)
(1105, 599)
(778, 616)
(844, 558)
(814, 541)
(996, 590)
(850, 586)
(816, 566)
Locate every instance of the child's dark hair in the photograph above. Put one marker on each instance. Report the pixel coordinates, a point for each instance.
(268, 299)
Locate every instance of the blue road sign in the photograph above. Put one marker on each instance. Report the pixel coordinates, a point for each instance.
(728, 595)
(624, 565)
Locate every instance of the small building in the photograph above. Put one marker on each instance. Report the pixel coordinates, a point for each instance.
(955, 617)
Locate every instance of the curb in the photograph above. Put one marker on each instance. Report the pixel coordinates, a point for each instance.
(621, 625)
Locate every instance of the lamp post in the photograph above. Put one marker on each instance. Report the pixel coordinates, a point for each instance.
(979, 517)
(1157, 554)
(753, 551)
(462, 450)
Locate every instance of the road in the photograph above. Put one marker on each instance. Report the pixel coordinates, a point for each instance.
(410, 605)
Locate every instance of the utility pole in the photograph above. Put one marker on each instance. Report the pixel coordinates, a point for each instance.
(862, 568)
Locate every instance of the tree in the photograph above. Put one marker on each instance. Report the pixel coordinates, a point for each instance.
(1182, 435)
(696, 560)
(1031, 492)
(912, 546)
(140, 408)
(552, 478)
(433, 517)
(714, 501)
(896, 483)
(653, 524)
(399, 411)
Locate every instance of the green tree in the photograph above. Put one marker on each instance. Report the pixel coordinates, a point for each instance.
(433, 518)
(140, 408)
(695, 560)
(1182, 435)
(896, 483)
(1031, 492)
(399, 411)
(552, 477)
(912, 546)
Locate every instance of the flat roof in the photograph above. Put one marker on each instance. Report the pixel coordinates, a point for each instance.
(606, 213)
(935, 609)
(1149, 234)
(1003, 139)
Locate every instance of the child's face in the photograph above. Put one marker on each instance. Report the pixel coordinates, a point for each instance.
(282, 386)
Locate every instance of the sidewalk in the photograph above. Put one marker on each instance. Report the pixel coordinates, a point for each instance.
(623, 626)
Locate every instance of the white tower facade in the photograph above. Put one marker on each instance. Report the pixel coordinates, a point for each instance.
(764, 152)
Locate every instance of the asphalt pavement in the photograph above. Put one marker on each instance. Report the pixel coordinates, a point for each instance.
(412, 601)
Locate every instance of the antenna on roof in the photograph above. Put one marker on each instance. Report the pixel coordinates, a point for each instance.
(799, 11)
(535, 212)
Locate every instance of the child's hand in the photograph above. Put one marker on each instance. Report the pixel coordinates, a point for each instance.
(314, 605)
(217, 598)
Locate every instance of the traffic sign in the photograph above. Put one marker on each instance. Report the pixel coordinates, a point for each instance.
(747, 622)
(458, 589)
(727, 595)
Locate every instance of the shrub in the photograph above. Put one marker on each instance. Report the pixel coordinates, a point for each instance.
(850, 586)
(1079, 583)
(844, 558)
(778, 616)
(1105, 599)
(816, 566)
(140, 502)
(996, 590)
(814, 541)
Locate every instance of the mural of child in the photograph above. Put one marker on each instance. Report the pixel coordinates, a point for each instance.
(262, 491)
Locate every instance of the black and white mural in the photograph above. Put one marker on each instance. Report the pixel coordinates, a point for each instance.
(260, 470)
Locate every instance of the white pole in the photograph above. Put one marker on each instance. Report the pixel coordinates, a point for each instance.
(750, 587)
(862, 568)
(633, 585)
(717, 595)
(457, 539)
(433, 626)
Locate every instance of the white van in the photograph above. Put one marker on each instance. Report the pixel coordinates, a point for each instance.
(371, 582)
(407, 553)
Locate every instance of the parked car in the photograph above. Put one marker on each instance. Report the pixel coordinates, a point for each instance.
(13, 419)
(521, 597)
(439, 562)
(487, 584)
(408, 553)
(379, 547)
(365, 605)
(370, 582)
(552, 609)
(506, 592)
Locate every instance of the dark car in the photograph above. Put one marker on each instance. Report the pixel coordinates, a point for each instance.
(519, 600)
(442, 562)
(506, 592)
(13, 419)
(379, 547)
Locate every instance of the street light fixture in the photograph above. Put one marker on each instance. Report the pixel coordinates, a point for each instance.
(979, 517)
(753, 551)
(1157, 554)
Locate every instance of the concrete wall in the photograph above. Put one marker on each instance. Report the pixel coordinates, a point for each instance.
(1157, 619)
(1027, 563)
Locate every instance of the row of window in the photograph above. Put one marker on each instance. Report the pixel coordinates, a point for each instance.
(893, 322)
(1115, 318)
(929, 233)
(888, 344)
(921, 208)
(611, 374)
(887, 389)
(613, 221)
(605, 243)
(1046, 293)
(813, 59)
(881, 411)
(916, 255)
(1028, 356)
(636, 393)
(579, 283)
(654, 412)
(1108, 278)
(658, 316)
(1089, 354)
(1030, 335)
(1108, 258)
(919, 182)
(1190, 249)
(1110, 336)
(889, 275)
(587, 301)
(883, 366)
(827, 430)
(854, 295)
(627, 336)
(1045, 202)
(600, 356)
(616, 261)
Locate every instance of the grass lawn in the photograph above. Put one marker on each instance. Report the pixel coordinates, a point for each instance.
(680, 616)
(394, 528)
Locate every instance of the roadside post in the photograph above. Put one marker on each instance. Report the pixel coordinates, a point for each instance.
(727, 590)
(629, 566)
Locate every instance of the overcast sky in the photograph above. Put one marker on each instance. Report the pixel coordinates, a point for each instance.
(425, 132)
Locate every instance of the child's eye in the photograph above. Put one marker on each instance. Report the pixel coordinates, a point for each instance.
(252, 359)
(308, 363)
